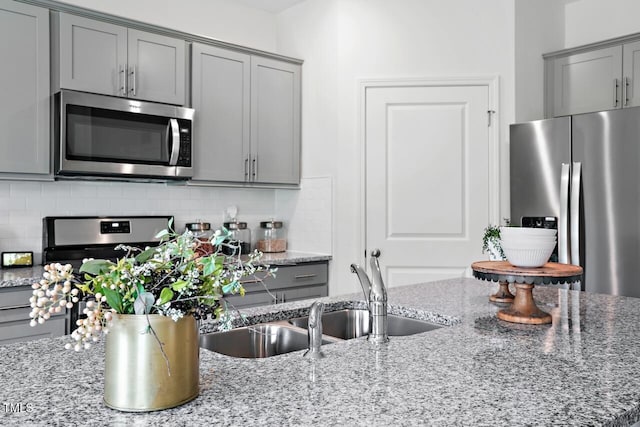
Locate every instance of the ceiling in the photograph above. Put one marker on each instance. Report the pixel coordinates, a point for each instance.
(273, 6)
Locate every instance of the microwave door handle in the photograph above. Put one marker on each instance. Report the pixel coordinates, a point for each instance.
(173, 136)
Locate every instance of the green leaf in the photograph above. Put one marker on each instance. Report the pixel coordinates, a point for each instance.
(165, 296)
(145, 255)
(179, 285)
(96, 266)
(113, 299)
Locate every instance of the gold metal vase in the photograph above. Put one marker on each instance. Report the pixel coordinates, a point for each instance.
(137, 377)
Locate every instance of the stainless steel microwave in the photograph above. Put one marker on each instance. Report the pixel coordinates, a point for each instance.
(104, 136)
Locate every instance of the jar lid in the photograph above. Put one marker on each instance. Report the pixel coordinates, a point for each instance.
(198, 226)
(235, 225)
(271, 224)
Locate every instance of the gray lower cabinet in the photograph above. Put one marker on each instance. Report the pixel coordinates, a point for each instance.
(595, 80)
(297, 282)
(24, 85)
(100, 57)
(248, 113)
(14, 318)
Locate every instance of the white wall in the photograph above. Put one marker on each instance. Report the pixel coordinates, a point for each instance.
(221, 19)
(343, 41)
(588, 21)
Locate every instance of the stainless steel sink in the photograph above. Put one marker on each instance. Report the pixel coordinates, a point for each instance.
(264, 340)
(354, 323)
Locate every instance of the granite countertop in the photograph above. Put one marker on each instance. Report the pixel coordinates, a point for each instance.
(25, 276)
(583, 369)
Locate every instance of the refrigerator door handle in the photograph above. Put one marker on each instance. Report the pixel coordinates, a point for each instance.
(576, 177)
(563, 222)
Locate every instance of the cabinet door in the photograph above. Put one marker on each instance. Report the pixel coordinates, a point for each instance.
(156, 67)
(589, 81)
(631, 74)
(24, 85)
(93, 55)
(275, 121)
(221, 97)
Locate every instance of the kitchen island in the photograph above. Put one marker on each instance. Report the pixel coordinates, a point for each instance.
(583, 369)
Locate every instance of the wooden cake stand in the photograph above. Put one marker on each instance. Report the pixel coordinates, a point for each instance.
(524, 308)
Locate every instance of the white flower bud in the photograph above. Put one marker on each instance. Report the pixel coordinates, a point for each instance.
(69, 305)
(46, 316)
(98, 296)
(75, 299)
(41, 320)
(87, 345)
(62, 303)
(68, 346)
(77, 347)
(74, 291)
(35, 286)
(90, 304)
(33, 322)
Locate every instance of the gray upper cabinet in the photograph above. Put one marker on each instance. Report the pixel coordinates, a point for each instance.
(247, 113)
(275, 121)
(593, 79)
(631, 74)
(109, 59)
(24, 85)
(221, 97)
(588, 81)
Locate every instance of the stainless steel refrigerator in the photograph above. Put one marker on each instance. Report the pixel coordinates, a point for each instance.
(581, 174)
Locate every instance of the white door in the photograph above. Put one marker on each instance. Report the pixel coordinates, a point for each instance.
(427, 179)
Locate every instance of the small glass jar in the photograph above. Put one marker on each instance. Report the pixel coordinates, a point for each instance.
(271, 237)
(202, 232)
(239, 241)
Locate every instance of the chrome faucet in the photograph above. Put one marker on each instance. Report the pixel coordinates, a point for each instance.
(314, 331)
(376, 296)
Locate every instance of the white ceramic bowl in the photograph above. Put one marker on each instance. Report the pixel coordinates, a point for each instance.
(517, 244)
(526, 231)
(528, 257)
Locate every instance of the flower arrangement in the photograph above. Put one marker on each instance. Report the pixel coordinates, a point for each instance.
(174, 279)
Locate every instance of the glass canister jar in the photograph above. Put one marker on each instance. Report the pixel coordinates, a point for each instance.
(271, 237)
(239, 241)
(202, 232)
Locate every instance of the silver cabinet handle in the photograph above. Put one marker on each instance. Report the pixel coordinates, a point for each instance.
(625, 88)
(304, 276)
(615, 92)
(576, 176)
(133, 80)
(563, 223)
(246, 169)
(175, 141)
(123, 79)
(254, 168)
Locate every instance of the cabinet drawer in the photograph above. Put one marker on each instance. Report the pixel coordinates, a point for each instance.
(306, 292)
(15, 297)
(298, 275)
(252, 299)
(20, 330)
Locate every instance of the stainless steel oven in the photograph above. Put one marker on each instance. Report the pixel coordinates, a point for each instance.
(104, 136)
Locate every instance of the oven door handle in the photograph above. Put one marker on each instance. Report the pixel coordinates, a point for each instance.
(173, 136)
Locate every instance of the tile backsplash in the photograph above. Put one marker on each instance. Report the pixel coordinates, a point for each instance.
(24, 204)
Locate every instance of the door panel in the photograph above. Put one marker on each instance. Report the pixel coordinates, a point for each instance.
(606, 145)
(93, 55)
(589, 81)
(158, 64)
(427, 179)
(221, 98)
(631, 74)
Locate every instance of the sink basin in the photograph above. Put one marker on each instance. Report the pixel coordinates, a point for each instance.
(264, 340)
(354, 323)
